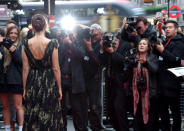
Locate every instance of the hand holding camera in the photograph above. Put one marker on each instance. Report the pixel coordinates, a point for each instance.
(1, 40)
(88, 44)
(6, 42)
(159, 47)
(110, 50)
(67, 40)
(142, 60)
(108, 42)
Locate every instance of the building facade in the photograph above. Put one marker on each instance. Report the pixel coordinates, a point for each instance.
(144, 3)
(162, 3)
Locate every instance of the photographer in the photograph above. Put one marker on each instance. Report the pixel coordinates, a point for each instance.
(12, 66)
(92, 72)
(171, 52)
(144, 67)
(72, 77)
(112, 56)
(145, 29)
(1, 58)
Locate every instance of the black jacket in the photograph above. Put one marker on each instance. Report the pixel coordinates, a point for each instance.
(13, 72)
(152, 64)
(91, 62)
(114, 63)
(169, 83)
(1, 64)
(78, 84)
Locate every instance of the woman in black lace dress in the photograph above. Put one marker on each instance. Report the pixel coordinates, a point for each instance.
(41, 81)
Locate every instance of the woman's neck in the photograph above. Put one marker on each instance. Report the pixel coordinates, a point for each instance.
(143, 54)
(40, 34)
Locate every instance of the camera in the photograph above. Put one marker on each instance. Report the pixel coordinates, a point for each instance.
(130, 58)
(108, 40)
(7, 42)
(83, 33)
(156, 39)
(63, 34)
(141, 83)
(131, 27)
(131, 21)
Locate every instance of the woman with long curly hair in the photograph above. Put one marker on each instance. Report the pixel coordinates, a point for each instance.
(12, 76)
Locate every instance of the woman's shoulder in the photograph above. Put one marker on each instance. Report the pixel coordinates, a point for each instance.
(55, 43)
(33, 40)
(152, 57)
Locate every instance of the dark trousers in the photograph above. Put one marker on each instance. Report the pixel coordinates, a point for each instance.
(118, 106)
(79, 109)
(138, 123)
(174, 104)
(94, 99)
(65, 89)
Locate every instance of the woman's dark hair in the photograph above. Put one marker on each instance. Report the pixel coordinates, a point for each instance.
(10, 29)
(38, 22)
(149, 45)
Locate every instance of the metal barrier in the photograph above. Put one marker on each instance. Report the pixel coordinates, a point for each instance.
(182, 105)
(104, 115)
(1, 117)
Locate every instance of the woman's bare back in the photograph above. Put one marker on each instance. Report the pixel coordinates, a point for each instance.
(37, 46)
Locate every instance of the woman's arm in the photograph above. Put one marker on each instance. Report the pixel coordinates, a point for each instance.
(56, 70)
(25, 70)
(16, 54)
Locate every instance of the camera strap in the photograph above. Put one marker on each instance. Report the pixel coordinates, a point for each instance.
(141, 71)
(167, 43)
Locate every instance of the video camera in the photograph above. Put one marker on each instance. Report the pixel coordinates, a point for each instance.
(7, 42)
(108, 40)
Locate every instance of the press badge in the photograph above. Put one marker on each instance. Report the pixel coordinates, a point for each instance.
(160, 58)
(86, 58)
(1, 56)
(69, 59)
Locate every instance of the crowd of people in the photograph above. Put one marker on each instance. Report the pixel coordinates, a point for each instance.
(39, 68)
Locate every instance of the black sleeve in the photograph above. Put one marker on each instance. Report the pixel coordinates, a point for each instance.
(173, 57)
(152, 63)
(94, 54)
(118, 58)
(78, 50)
(104, 57)
(17, 56)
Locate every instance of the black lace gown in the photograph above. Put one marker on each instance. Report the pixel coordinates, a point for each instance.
(42, 109)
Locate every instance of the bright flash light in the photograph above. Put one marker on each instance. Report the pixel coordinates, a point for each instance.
(101, 11)
(68, 23)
